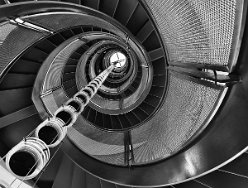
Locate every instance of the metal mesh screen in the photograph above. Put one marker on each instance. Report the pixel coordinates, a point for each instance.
(197, 31)
(105, 146)
(186, 108)
(53, 100)
(13, 41)
(50, 103)
(54, 75)
(194, 31)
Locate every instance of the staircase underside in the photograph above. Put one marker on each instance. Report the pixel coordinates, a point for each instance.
(184, 120)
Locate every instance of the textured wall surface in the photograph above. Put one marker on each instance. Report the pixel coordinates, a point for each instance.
(196, 31)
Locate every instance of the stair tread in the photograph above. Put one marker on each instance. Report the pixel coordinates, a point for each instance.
(237, 166)
(68, 76)
(25, 66)
(92, 181)
(15, 132)
(46, 46)
(71, 91)
(123, 15)
(18, 116)
(15, 81)
(64, 175)
(106, 184)
(109, 6)
(35, 54)
(91, 3)
(219, 179)
(52, 169)
(18, 98)
(72, 1)
(78, 180)
(70, 68)
(67, 33)
(138, 19)
(69, 83)
(144, 32)
(190, 184)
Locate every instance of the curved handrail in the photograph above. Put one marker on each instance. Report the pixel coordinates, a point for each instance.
(189, 163)
(223, 141)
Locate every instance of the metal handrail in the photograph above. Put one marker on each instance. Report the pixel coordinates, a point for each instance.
(29, 144)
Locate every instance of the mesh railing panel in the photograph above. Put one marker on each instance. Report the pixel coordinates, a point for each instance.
(184, 112)
(189, 29)
(13, 41)
(105, 146)
(50, 103)
(54, 75)
(53, 100)
(197, 31)
(188, 106)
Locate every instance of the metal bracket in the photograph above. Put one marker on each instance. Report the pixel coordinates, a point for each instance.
(217, 77)
(128, 149)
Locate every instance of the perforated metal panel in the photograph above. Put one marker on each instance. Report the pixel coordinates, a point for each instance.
(50, 103)
(105, 146)
(187, 107)
(54, 75)
(198, 31)
(13, 41)
(53, 100)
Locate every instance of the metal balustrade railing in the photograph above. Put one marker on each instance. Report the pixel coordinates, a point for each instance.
(29, 157)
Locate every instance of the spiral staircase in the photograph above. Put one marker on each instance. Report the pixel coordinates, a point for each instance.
(174, 115)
